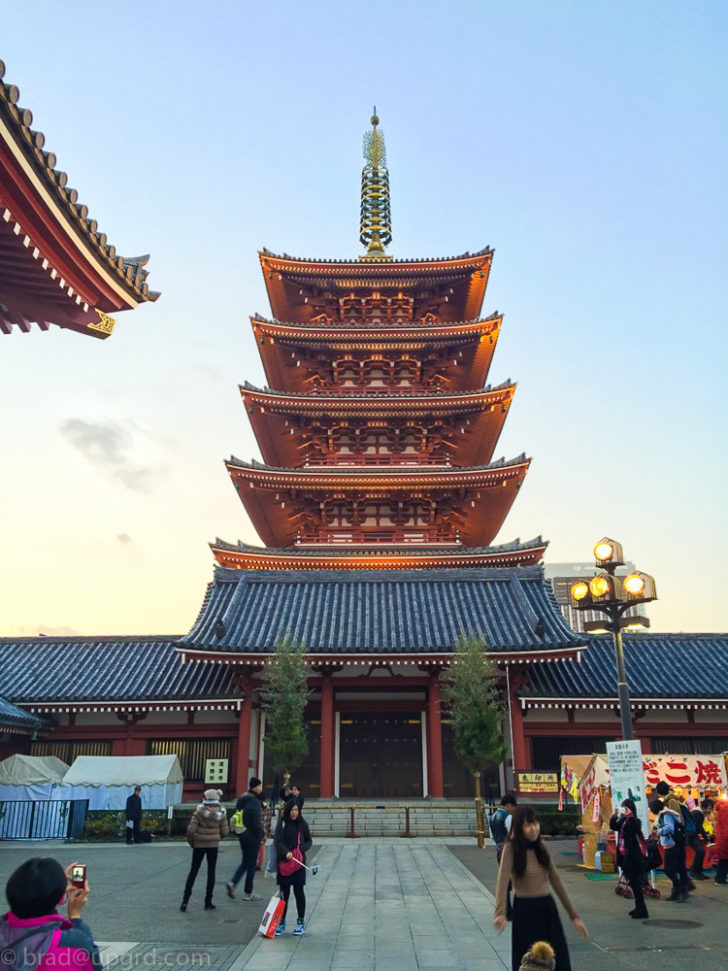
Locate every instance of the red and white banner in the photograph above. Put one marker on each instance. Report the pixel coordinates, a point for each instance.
(689, 771)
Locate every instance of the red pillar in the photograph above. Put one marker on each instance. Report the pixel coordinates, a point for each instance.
(242, 763)
(326, 780)
(521, 749)
(434, 739)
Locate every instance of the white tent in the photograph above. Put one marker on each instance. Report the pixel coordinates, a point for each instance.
(31, 777)
(107, 780)
(34, 803)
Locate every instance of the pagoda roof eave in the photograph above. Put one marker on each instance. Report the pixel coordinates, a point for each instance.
(327, 476)
(364, 403)
(242, 556)
(340, 332)
(284, 261)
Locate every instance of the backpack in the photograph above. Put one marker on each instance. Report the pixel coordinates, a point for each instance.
(37, 942)
(678, 832)
(498, 829)
(236, 822)
(690, 827)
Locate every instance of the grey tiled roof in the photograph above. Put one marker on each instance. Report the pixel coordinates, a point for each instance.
(105, 669)
(379, 611)
(658, 666)
(15, 719)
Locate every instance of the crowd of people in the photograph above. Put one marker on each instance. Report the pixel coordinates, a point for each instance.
(252, 824)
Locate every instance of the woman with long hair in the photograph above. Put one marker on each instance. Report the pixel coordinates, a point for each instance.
(528, 865)
(631, 854)
(292, 841)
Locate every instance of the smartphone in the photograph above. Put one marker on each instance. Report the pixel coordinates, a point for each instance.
(78, 875)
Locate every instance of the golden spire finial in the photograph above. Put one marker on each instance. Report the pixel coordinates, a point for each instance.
(375, 228)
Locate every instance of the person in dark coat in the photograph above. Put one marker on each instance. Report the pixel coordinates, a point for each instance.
(250, 839)
(292, 841)
(297, 795)
(631, 854)
(133, 815)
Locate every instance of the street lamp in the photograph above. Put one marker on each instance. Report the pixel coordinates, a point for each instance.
(614, 596)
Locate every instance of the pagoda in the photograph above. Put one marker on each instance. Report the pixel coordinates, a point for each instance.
(377, 429)
(378, 502)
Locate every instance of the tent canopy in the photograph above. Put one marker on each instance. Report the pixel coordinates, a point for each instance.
(124, 770)
(31, 770)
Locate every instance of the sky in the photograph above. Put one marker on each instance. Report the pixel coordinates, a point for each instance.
(586, 143)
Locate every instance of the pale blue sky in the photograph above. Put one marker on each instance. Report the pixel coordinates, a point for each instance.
(585, 142)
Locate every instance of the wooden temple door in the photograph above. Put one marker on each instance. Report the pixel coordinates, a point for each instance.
(380, 755)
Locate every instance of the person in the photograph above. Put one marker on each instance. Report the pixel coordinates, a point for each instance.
(697, 841)
(297, 795)
(539, 955)
(267, 817)
(631, 854)
(32, 933)
(720, 823)
(500, 825)
(250, 839)
(207, 827)
(671, 851)
(528, 865)
(292, 841)
(673, 804)
(133, 816)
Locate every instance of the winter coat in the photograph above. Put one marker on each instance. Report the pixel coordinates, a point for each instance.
(665, 827)
(720, 819)
(207, 827)
(70, 944)
(286, 840)
(631, 827)
(134, 808)
(252, 817)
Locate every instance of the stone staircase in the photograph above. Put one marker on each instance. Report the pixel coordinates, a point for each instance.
(381, 819)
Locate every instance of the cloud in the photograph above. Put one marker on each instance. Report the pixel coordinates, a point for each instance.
(108, 445)
(124, 538)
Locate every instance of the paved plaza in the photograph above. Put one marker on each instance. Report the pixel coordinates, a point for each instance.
(377, 903)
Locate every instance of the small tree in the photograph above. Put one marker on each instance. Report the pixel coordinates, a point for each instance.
(284, 694)
(470, 696)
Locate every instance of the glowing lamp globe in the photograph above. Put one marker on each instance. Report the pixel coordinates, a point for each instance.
(599, 586)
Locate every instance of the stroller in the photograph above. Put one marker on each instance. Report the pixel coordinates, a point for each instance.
(653, 861)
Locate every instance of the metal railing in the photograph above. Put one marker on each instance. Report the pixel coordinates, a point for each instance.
(26, 819)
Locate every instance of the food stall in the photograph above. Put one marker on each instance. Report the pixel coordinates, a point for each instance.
(586, 780)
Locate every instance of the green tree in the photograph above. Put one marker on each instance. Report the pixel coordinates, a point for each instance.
(284, 694)
(470, 697)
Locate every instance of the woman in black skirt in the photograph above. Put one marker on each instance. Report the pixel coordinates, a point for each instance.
(527, 864)
(292, 841)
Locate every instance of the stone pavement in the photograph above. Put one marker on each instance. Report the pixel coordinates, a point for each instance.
(388, 904)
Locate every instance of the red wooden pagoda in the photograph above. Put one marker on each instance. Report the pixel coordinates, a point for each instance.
(377, 431)
(55, 265)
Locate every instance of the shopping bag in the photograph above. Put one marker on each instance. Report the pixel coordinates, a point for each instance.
(272, 916)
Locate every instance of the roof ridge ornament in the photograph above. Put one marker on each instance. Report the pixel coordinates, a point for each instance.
(375, 227)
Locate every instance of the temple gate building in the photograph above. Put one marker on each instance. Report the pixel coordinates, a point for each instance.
(378, 503)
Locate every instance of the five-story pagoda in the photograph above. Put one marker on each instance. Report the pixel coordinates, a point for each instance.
(377, 429)
(377, 501)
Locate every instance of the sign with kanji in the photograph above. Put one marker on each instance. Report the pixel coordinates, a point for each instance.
(216, 770)
(537, 782)
(687, 771)
(627, 777)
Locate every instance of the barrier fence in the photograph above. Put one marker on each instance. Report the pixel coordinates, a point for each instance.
(25, 819)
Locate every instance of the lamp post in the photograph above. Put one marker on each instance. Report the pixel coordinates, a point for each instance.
(613, 596)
